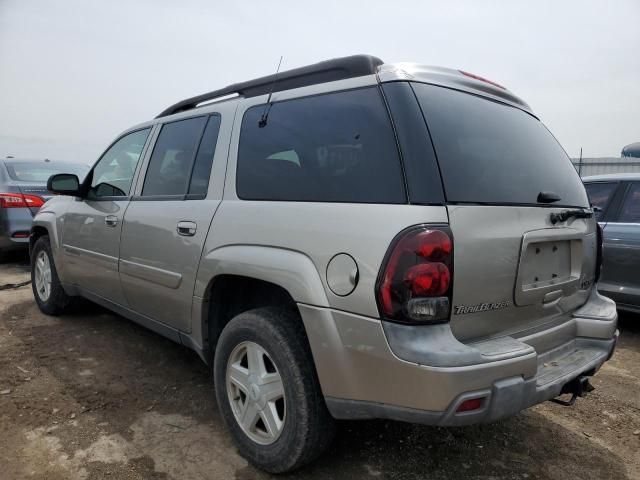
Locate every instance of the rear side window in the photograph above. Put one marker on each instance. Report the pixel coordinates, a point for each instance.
(170, 165)
(630, 212)
(493, 153)
(600, 195)
(337, 147)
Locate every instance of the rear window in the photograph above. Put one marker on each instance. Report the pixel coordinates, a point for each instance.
(600, 195)
(39, 172)
(492, 153)
(337, 147)
(631, 208)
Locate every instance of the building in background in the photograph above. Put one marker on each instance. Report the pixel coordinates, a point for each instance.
(628, 162)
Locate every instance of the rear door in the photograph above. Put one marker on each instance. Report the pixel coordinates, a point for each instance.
(167, 222)
(505, 178)
(621, 252)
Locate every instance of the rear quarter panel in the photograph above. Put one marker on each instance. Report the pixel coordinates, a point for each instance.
(317, 231)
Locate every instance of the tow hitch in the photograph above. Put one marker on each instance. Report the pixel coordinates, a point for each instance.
(577, 388)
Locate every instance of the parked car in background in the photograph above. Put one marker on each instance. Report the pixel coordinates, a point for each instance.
(617, 199)
(370, 241)
(23, 190)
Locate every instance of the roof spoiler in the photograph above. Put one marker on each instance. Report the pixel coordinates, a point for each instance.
(327, 71)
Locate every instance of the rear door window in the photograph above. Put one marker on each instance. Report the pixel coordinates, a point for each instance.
(630, 212)
(600, 195)
(169, 169)
(492, 153)
(337, 147)
(199, 182)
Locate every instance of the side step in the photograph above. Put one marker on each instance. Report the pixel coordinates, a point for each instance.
(577, 387)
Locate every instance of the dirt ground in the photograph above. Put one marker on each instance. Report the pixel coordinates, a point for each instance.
(92, 395)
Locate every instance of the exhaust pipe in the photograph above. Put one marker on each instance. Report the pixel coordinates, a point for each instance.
(577, 387)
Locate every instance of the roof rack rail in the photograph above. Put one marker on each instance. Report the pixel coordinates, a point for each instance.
(327, 71)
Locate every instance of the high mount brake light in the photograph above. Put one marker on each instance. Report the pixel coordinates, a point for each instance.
(482, 79)
(19, 200)
(415, 282)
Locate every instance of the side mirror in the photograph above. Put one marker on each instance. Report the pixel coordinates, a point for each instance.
(64, 184)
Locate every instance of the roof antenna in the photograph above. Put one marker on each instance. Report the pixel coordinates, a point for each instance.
(265, 115)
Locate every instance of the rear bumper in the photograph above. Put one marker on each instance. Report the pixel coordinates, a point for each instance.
(12, 221)
(368, 370)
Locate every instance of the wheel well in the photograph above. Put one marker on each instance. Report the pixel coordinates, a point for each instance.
(231, 295)
(36, 233)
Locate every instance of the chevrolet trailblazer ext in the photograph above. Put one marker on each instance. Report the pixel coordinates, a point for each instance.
(346, 240)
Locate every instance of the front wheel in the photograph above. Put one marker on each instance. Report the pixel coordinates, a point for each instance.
(268, 392)
(47, 289)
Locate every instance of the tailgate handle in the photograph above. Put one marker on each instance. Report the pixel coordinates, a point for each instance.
(552, 296)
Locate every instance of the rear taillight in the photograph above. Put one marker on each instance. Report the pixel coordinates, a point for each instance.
(415, 282)
(18, 200)
(599, 235)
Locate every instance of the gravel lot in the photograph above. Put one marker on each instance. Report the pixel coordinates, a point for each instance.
(92, 395)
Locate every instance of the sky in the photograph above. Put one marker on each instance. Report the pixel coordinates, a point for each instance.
(75, 73)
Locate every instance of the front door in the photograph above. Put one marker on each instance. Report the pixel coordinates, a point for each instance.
(92, 225)
(166, 225)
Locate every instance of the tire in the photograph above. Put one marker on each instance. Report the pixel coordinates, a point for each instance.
(307, 427)
(55, 301)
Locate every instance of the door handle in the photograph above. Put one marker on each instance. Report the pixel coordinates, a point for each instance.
(186, 229)
(111, 220)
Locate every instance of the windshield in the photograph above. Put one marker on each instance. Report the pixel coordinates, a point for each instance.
(492, 153)
(39, 172)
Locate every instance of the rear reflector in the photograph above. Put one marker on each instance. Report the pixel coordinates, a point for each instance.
(469, 405)
(482, 79)
(20, 235)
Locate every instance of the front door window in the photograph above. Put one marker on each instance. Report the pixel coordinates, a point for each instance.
(113, 174)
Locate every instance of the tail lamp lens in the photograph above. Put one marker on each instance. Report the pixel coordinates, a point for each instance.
(19, 200)
(414, 285)
(599, 236)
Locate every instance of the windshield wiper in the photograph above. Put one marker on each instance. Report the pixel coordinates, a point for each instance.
(567, 214)
(548, 197)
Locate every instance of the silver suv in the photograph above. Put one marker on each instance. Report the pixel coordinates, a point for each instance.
(346, 240)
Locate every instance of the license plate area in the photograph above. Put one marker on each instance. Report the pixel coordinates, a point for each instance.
(550, 261)
(546, 263)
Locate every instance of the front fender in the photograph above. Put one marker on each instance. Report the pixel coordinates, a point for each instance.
(50, 221)
(291, 270)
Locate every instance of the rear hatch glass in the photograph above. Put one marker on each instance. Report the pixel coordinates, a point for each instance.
(515, 271)
(39, 172)
(31, 176)
(493, 153)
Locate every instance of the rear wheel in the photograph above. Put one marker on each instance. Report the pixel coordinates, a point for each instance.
(268, 391)
(47, 290)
